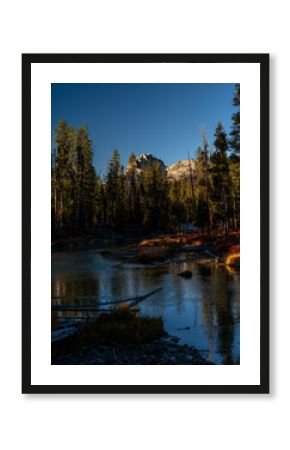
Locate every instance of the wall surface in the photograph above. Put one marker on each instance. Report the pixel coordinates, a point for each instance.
(74, 422)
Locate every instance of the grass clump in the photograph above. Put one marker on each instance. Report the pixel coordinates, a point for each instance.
(122, 326)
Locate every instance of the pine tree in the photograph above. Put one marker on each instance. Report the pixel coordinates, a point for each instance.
(53, 193)
(203, 187)
(154, 198)
(188, 200)
(235, 159)
(234, 168)
(85, 181)
(98, 204)
(176, 206)
(235, 132)
(220, 179)
(115, 192)
(64, 139)
(131, 192)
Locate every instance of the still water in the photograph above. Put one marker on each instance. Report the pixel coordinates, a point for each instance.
(203, 311)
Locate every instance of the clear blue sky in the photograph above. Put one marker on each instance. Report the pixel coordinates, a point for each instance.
(162, 119)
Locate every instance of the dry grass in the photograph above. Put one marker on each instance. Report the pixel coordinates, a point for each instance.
(193, 238)
(124, 327)
(161, 241)
(233, 259)
(173, 241)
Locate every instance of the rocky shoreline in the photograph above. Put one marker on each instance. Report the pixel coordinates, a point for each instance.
(163, 351)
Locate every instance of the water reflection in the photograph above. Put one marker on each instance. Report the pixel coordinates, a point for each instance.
(203, 311)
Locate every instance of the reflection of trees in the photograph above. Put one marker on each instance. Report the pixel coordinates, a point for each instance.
(225, 318)
(208, 307)
(218, 315)
(178, 292)
(209, 318)
(211, 294)
(117, 284)
(71, 289)
(226, 332)
(181, 289)
(86, 286)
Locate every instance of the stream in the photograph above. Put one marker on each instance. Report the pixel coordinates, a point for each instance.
(203, 311)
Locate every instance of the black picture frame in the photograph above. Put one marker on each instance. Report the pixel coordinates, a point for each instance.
(27, 61)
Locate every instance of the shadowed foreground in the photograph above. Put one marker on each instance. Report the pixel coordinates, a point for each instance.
(122, 337)
(163, 351)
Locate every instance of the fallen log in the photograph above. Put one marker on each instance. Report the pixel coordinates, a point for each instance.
(140, 299)
(63, 333)
(72, 329)
(101, 307)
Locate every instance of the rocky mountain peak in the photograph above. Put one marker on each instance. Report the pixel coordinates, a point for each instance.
(145, 159)
(181, 169)
(178, 170)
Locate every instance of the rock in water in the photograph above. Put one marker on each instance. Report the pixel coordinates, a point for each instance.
(185, 274)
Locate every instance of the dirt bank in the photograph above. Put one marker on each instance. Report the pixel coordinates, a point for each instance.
(163, 351)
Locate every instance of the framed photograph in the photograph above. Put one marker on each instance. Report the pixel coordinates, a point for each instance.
(145, 223)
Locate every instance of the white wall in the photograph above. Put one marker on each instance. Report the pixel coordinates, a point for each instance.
(220, 422)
